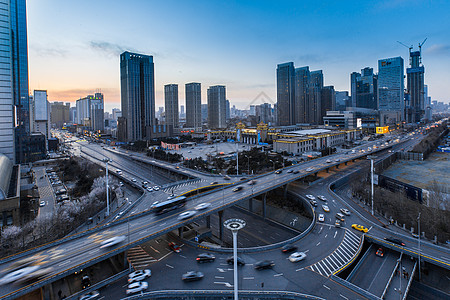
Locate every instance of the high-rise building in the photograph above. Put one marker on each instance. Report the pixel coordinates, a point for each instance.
(137, 85)
(59, 114)
(314, 107)
(7, 141)
(73, 114)
(302, 78)
(285, 94)
(193, 92)
(90, 112)
(171, 105)
(227, 109)
(342, 100)
(364, 89)
(415, 87)
(217, 107)
(204, 112)
(116, 113)
(40, 113)
(328, 102)
(391, 86)
(264, 113)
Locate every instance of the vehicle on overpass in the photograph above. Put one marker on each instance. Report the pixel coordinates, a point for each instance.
(168, 205)
(395, 241)
(192, 276)
(112, 241)
(297, 256)
(360, 228)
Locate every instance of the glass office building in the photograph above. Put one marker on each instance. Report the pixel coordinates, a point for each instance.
(391, 85)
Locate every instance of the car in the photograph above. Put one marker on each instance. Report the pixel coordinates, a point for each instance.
(133, 179)
(85, 281)
(243, 178)
(121, 183)
(153, 204)
(175, 248)
(395, 241)
(325, 208)
(290, 171)
(337, 160)
(149, 189)
(288, 248)
(360, 228)
(345, 211)
(119, 172)
(321, 218)
(214, 182)
(177, 167)
(226, 177)
(337, 223)
(137, 287)
(42, 203)
(186, 215)
(202, 206)
(297, 256)
(296, 171)
(380, 252)
(309, 169)
(237, 189)
(264, 264)
(340, 217)
(89, 296)
(310, 197)
(252, 182)
(112, 241)
(172, 196)
(139, 275)
(205, 257)
(240, 261)
(18, 274)
(156, 188)
(328, 161)
(278, 171)
(313, 202)
(192, 276)
(322, 198)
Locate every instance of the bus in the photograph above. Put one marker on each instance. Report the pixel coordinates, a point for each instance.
(167, 205)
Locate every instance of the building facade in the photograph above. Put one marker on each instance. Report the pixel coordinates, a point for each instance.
(314, 106)
(391, 85)
(59, 114)
(217, 107)
(286, 94)
(41, 113)
(302, 78)
(328, 102)
(364, 89)
(137, 86)
(416, 88)
(171, 105)
(342, 100)
(193, 92)
(90, 112)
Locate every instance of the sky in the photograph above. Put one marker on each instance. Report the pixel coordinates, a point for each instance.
(74, 46)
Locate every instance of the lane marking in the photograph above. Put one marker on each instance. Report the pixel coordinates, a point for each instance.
(335, 234)
(249, 278)
(318, 244)
(169, 266)
(276, 275)
(326, 287)
(299, 269)
(343, 296)
(219, 277)
(326, 235)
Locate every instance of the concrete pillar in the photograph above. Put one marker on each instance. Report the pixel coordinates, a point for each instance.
(220, 225)
(345, 163)
(264, 205)
(208, 221)
(180, 232)
(328, 170)
(250, 204)
(285, 191)
(337, 166)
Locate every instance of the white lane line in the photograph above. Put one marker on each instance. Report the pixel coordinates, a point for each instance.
(323, 269)
(154, 249)
(276, 275)
(64, 263)
(343, 296)
(325, 263)
(221, 270)
(219, 277)
(320, 230)
(183, 256)
(224, 283)
(318, 244)
(249, 278)
(335, 234)
(306, 251)
(325, 287)
(326, 235)
(169, 266)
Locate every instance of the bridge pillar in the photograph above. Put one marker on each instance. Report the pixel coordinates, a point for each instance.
(208, 221)
(264, 205)
(328, 170)
(345, 163)
(250, 204)
(220, 225)
(285, 191)
(180, 232)
(337, 166)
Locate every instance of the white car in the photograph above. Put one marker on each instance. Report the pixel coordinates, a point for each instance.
(139, 275)
(321, 218)
(337, 160)
(119, 172)
(149, 189)
(297, 256)
(202, 206)
(325, 208)
(137, 287)
(345, 211)
(186, 215)
(112, 241)
(18, 274)
(309, 169)
(310, 197)
(133, 179)
(42, 203)
(156, 188)
(328, 161)
(322, 198)
(89, 296)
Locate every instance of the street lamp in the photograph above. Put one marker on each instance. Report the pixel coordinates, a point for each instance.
(234, 225)
(418, 221)
(273, 164)
(248, 164)
(400, 273)
(371, 157)
(106, 160)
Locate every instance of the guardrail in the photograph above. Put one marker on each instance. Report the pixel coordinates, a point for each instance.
(392, 276)
(352, 273)
(220, 294)
(354, 288)
(410, 281)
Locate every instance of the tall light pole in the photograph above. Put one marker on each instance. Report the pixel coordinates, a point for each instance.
(418, 221)
(234, 225)
(400, 273)
(371, 157)
(248, 165)
(106, 160)
(237, 158)
(273, 164)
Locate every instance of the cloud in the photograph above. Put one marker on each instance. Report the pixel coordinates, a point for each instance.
(71, 95)
(46, 52)
(111, 49)
(438, 49)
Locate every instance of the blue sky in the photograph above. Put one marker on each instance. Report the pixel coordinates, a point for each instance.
(74, 46)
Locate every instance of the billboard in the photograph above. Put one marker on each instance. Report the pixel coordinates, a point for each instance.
(358, 123)
(382, 130)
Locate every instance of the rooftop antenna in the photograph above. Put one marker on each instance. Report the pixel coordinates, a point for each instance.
(420, 49)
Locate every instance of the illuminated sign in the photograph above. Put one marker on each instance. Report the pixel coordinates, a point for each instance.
(382, 130)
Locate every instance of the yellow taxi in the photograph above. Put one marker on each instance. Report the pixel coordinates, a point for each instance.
(360, 228)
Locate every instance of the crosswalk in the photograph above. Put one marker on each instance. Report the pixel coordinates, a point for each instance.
(340, 257)
(139, 259)
(169, 189)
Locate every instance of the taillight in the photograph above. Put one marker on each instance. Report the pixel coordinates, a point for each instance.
(198, 258)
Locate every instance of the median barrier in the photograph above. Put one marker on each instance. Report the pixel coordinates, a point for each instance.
(352, 273)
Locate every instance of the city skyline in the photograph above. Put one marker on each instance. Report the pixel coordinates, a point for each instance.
(241, 54)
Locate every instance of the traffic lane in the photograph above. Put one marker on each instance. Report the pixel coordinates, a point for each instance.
(399, 281)
(374, 272)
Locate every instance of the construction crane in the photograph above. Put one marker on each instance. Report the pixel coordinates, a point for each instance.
(421, 44)
(410, 47)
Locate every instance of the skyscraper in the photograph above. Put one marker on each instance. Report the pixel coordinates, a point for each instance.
(302, 77)
(193, 105)
(137, 85)
(364, 89)
(90, 112)
(391, 85)
(6, 88)
(342, 100)
(314, 106)
(171, 105)
(217, 107)
(328, 102)
(41, 113)
(286, 94)
(415, 87)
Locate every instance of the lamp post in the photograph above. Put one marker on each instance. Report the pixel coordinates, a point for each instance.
(400, 273)
(237, 158)
(273, 164)
(248, 165)
(235, 225)
(418, 221)
(106, 160)
(371, 157)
